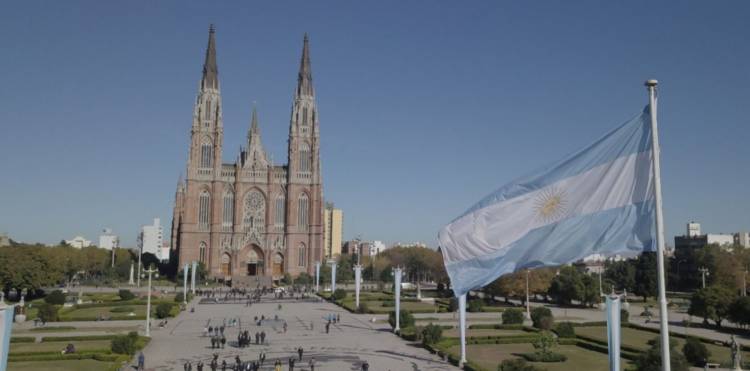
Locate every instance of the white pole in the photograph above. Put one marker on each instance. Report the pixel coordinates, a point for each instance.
(192, 277)
(663, 317)
(185, 270)
(131, 281)
(333, 277)
(528, 306)
(148, 304)
(317, 276)
(140, 252)
(357, 277)
(613, 331)
(462, 326)
(397, 297)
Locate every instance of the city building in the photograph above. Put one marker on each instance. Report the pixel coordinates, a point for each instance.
(354, 247)
(78, 242)
(250, 218)
(107, 240)
(333, 220)
(163, 254)
(594, 263)
(376, 247)
(4, 239)
(151, 238)
(695, 238)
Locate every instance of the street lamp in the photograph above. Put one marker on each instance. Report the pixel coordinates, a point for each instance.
(528, 306)
(704, 272)
(148, 300)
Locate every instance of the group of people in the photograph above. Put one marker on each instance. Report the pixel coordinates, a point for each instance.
(244, 340)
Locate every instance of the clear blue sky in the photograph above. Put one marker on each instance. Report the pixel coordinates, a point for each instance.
(425, 106)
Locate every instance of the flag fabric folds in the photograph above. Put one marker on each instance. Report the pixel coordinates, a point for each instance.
(597, 200)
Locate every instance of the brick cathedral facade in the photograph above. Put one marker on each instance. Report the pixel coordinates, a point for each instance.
(251, 217)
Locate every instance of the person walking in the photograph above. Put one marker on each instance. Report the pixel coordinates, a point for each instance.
(365, 366)
(291, 364)
(199, 366)
(223, 365)
(262, 337)
(223, 341)
(299, 352)
(141, 361)
(312, 364)
(277, 366)
(187, 366)
(262, 358)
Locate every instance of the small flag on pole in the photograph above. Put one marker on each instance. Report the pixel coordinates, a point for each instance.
(597, 200)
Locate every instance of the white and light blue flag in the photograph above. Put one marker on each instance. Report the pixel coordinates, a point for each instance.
(597, 200)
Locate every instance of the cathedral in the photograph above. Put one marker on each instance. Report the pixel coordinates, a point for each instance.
(250, 218)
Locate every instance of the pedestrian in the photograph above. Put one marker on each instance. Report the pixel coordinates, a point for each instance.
(257, 338)
(262, 337)
(338, 318)
(291, 364)
(213, 342)
(223, 341)
(262, 358)
(285, 327)
(299, 352)
(312, 364)
(328, 327)
(311, 326)
(186, 366)
(223, 365)
(238, 362)
(365, 366)
(199, 366)
(277, 365)
(210, 330)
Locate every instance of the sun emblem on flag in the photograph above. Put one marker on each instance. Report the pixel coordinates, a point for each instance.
(551, 204)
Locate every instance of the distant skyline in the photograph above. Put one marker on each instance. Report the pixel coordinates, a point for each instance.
(425, 107)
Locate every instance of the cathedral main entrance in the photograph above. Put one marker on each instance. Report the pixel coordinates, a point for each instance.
(254, 261)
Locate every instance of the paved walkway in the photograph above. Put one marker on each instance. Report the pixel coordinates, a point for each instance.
(351, 342)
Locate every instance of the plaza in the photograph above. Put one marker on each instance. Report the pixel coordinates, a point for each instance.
(351, 342)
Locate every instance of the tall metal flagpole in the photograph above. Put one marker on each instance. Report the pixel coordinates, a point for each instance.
(663, 318)
(462, 326)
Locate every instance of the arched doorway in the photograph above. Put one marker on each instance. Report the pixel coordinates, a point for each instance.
(278, 265)
(254, 261)
(226, 265)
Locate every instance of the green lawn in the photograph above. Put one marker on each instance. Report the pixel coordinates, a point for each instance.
(87, 314)
(489, 356)
(70, 365)
(59, 345)
(639, 339)
(453, 333)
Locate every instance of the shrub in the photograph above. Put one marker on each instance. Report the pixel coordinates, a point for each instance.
(406, 319)
(47, 312)
(339, 294)
(516, 365)
(695, 352)
(125, 294)
(538, 313)
(453, 305)
(125, 344)
(475, 306)
(178, 297)
(565, 330)
(431, 334)
(512, 316)
(544, 343)
(163, 310)
(544, 357)
(363, 308)
(55, 297)
(651, 358)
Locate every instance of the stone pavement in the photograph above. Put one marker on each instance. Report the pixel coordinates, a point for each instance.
(351, 342)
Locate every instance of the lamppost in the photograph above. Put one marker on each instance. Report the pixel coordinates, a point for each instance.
(140, 253)
(528, 306)
(704, 272)
(148, 301)
(317, 276)
(357, 278)
(114, 246)
(397, 272)
(744, 283)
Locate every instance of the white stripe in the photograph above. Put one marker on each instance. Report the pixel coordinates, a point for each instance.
(486, 232)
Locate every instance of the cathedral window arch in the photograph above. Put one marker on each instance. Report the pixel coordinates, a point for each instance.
(208, 110)
(207, 154)
(305, 159)
(203, 252)
(304, 116)
(254, 216)
(302, 255)
(204, 208)
(280, 212)
(228, 210)
(303, 211)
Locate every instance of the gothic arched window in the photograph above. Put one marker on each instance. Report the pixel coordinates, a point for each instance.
(305, 163)
(301, 258)
(280, 210)
(303, 210)
(228, 211)
(304, 116)
(208, 110)
(203, 255)
(207, 155)
(255, 211)
(204, 208)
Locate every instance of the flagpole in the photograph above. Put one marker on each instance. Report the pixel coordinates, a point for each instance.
(462, 326)
(663, 317)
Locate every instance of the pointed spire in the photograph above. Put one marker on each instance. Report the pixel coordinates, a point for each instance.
(304, 79)
(210, 70)
(255, 152)
(254, 122)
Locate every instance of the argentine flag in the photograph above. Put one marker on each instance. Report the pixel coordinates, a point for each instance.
(597, 200)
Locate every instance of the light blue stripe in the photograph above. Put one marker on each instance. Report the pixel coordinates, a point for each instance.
(7, 326)
(626, 231)
(634, 136)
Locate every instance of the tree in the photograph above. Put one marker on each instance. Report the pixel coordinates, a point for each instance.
(645, 275)
(567, 286)
(650, 360)
(406, 319)
(590, 294)
(695, 352)
(621, 274)
(55, 297)
(538, 316)
(163, 310)
(47, 312)
(431, 334)
(475, 306)
(512, 316)
(125, 344)
(711, 303)
(125, 294)
(739, 311)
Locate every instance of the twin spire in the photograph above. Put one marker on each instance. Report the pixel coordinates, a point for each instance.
(210, 70)
(304, 78)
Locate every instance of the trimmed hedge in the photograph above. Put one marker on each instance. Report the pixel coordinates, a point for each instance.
(22, 339)
(65, 357)
(544, 357)
(77, 338)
